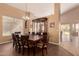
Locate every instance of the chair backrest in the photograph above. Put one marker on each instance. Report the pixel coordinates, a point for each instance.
(29, 32)
(17, 33)
(33, 33)
(39, 33)
(13, 37)
(17, 39)
(24, 39)
(45, 39)
(45, 33)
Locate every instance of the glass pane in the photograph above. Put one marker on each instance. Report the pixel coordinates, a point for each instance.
(11, 25)
(77, 27)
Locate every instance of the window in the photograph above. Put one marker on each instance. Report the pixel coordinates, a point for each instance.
(11, 25)
(77, 27)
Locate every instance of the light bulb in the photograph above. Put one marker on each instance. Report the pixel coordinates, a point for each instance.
(26, 17)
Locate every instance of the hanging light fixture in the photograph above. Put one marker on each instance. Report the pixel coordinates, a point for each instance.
(27, 14)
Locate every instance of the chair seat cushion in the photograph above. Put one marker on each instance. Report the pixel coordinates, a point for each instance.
(40, 45)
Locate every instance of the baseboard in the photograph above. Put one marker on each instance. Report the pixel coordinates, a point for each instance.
(6, 42)
(54, 43)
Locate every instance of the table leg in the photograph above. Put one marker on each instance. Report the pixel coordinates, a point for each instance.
(28, 50)
(34, 49)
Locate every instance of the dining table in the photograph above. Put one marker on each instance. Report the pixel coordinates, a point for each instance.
(34, 39)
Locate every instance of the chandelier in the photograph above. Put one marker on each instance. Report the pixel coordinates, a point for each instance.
(27, 14)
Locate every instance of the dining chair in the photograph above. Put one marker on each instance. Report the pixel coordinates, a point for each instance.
(17, 32)
(43, 44)
(18, 43)
(45, 41)
(39, 33)
(44, 33)
(24, 43)
(14, 40)
(33, 33)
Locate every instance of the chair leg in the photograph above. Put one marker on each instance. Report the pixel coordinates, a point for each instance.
(16, 47)
(46, 51)
(14, 44)
(19, 49)
(42, 52)
(23, 50)
(33, 50)
(28, 50)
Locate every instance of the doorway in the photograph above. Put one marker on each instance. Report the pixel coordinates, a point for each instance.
(69, 37)
(65, 32)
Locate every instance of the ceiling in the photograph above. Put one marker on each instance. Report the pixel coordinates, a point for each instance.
(42, 9)
(37, 9)
(67, 6)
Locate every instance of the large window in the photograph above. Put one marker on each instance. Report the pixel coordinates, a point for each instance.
(77, 27)
(11, 25)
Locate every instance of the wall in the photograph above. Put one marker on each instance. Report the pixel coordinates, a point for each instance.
(8, 11)
(54, 31)
(71, 16)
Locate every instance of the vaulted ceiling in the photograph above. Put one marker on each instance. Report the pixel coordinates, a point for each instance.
(37, 9)
(67, 6)
(42, 9)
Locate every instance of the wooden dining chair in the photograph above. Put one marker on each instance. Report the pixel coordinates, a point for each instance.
(33, 33)
(14, 40)
(39, 33)
(24, 43)
(17, 32)
(43, 44)
(18, 43)
(44, 33)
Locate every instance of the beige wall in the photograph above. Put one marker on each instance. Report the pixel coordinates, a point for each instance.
(71, 16)
(54, 31)
(9, 11)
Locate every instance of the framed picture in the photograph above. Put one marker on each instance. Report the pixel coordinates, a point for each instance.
(52, 25)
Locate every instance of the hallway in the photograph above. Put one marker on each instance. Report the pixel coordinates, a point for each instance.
(70, 37)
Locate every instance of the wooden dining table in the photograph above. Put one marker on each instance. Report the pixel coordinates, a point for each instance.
(34, 39)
